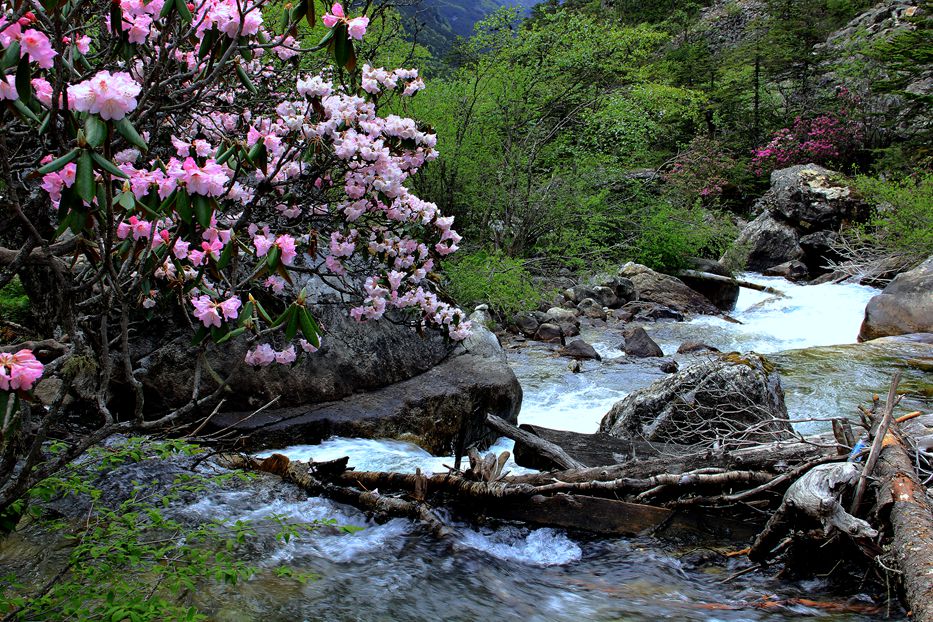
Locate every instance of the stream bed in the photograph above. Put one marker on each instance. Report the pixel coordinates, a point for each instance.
(396, 572)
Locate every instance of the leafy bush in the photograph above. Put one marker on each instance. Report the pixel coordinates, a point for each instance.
(14, 304)
(902, 221)
(492, 278)
(133, 559)
(670, 235)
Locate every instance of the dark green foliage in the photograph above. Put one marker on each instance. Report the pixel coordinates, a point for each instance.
(499, 281)
(14, 304)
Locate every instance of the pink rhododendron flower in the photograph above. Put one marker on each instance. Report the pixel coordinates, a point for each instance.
(8, 88)
(38, 47)
(286, 244)
(260, 356)
(19, 371)
(286, 356)
(210, 312)
(112, 96)
(357, 26)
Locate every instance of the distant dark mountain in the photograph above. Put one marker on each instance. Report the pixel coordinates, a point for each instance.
(436, 23)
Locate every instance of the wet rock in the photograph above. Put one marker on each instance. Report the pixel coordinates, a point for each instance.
(591, 309)
(570, 329)
(812, 198)
(526, 323)
(905, 306)
(819, 250)
(579, 293)
(768, 242)
(623, 289)
(581, 350)
(639, 344)
(558, 315)
(689, 347)
(711, 402)
(550, 333)
(790, 270)
(723, 295)
(575, 367)
(606, 296)
(666, 290)
(641, 311)
(669, 367)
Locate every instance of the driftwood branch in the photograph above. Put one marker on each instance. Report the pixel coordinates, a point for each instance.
(707, 276)
(547, 449)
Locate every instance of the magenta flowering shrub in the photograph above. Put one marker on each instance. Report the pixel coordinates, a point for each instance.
(700, 171)
(826, 138)
(170, 159)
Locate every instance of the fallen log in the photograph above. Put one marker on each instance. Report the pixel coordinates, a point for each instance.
(707, 276)
(589, 449)
(904, 505)
(815, 497)
(547, 450)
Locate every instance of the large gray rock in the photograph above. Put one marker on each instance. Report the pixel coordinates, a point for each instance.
(905, 306)
(768, 242)
(723, 295)
(812, 198)
(581, 350)
(378, 379)
(713, 402)
(666, 290)
(430, 409)
(639, 344)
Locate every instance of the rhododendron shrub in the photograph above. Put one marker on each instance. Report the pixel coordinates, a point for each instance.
(167, 159)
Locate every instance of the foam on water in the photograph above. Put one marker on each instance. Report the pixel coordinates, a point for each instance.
(539, 547)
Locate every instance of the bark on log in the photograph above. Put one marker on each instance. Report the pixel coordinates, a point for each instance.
(815, 496)
(548, 450)
(707, 276)
(589, 449)
(904, 504)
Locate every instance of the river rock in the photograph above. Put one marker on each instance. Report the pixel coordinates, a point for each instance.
(723, 295)
(579, 293)
(639, 344)
(641, 311)
(768, 242)
(526, 323)
(812, 198)
(790, 270)
(709, 403)
(570, 329)
(905, 306)
(666, 290)
(559, 315)
(550, 333)
(689, 347)
(623, 289)
(592, 309)
(669, 367)
(579, 349)
(429, 409)
(606, 296)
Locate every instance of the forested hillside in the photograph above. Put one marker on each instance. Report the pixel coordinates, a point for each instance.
(436, 23)
(593, 132)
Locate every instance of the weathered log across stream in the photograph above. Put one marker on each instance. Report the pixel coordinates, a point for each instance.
(785, 498)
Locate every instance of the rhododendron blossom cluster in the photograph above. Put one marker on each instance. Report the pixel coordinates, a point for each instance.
(19, 371)
(224, 184)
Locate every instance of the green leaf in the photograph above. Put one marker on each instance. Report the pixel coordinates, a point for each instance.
(326, 39)
(285, 317)
(11, 56)
(247, 313)
(309, 328)
(167, 9)
(24, 110)
(259, 156)
(226, 255)
(84, 179)
(241, 74)
(106, 165)
(272, 259)
(225, 154)
(207, 42)
(343, 47)
(291, 329)
(129, 132)
(59, 163)
(203, 210)
(24, 79)
(200, 335)
(236, 332)
(183, 206)
(183, 11)
(95, 130)
(127, 201)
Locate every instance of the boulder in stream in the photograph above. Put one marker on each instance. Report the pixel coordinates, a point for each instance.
(666, 290)
(905, 306)
(727, 399)
(639, 344)
(579, 349)
(429, 409)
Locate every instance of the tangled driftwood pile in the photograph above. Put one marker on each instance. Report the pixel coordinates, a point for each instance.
(866, 495)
